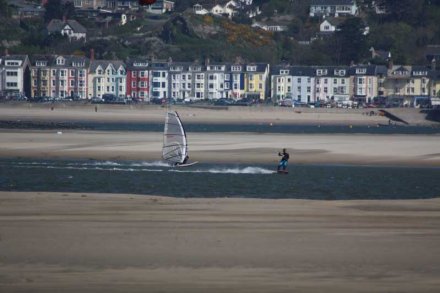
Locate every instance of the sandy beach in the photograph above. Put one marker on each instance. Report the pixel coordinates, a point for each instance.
(64, 242)
(83, 242)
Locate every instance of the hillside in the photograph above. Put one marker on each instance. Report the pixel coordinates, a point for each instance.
(405, 30)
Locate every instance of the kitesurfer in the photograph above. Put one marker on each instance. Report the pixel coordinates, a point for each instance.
(283, 161)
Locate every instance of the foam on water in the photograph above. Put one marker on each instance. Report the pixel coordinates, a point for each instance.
(245, 170)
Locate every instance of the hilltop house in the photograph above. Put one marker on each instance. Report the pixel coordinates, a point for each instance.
(270, 27)
(70, 28)
(329, 25)
(160, 7)
(89, 4)
(333, 8)
(228, 8)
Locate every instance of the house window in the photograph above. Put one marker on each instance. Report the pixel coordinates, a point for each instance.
(11, 73)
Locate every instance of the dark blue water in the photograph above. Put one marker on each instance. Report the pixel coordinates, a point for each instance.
(265, 128)
(328, 182)
(208, 127)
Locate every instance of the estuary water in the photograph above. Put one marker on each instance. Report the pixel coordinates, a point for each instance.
(327, 182)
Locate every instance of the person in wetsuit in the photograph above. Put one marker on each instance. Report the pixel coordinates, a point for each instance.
(184, 161)
(284, 160)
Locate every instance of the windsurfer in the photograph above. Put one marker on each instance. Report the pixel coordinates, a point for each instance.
(184, 161)
(283, 161)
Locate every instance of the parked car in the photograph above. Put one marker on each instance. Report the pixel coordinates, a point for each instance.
(286, 103)
(224, 102)
(96, 100)
(244, 102)
(157, 101)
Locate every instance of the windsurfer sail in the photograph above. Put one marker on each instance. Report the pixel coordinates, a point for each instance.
(175, 146)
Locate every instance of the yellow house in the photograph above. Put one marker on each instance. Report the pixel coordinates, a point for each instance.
(256, 80)
(40, 76)
(407, 82)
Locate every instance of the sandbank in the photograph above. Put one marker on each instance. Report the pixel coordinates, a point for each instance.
(366, 149)
(67, 242)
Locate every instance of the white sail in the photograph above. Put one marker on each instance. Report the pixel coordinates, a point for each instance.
(175, 147)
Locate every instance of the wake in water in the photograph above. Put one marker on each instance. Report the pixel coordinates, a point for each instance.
(225, 170)
(143, 166)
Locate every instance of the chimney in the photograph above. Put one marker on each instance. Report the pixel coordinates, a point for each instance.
(433, 64)
(64, 18)
(92, 55)
(6, 52)
(207, 61)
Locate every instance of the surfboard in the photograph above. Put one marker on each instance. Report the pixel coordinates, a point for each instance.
(187, 165)
(282, 172)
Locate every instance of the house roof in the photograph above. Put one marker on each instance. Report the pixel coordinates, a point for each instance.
(56, 25)
(131, 64)
(51, 60)
(335, 21)
(369, 69)
(332, 2)
(105, 63)
(15, 57)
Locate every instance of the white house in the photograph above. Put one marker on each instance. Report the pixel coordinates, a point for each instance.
(334, 8)
(329, 25)
(228, 9)
(70, 28)
(215, 78)
(16, 75)
(332, 84)
(270, 27)
(293, 82)
(160, 7)
(198, 9)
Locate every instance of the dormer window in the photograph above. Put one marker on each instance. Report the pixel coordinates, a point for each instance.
(138, 64)
(12, 63)
(361, 70)
(60, 61)
(40, 63)
(251, 68)
(320, 72)
(195, 68)
(339, 72)
(236, 68)
(284, 71)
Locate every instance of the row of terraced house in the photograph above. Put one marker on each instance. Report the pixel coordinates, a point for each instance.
(74, 76)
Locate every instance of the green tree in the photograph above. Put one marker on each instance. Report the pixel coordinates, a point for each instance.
(350, 42)
(5, 10)
(55, 9)
(411, 11)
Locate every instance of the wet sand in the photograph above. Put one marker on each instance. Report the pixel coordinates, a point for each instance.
(65, 242)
